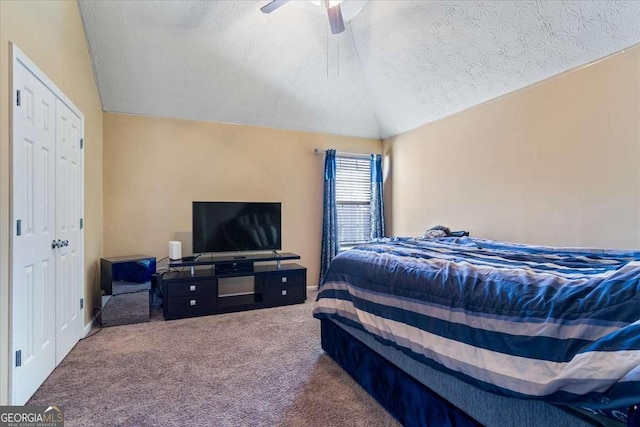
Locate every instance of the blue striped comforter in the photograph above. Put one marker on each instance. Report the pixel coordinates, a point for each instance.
(557, 324)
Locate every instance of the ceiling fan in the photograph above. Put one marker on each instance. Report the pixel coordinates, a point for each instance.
(333, 12)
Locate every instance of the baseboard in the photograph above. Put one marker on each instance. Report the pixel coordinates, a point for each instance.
(88, 327)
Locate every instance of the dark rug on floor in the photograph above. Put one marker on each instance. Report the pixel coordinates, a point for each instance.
(257, 368)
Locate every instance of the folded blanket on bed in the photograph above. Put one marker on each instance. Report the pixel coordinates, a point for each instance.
(556, 324)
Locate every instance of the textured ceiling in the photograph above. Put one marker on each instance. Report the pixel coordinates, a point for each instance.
(398, 65)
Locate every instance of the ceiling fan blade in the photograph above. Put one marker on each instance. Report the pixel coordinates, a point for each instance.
(335, 18)
(271, 6)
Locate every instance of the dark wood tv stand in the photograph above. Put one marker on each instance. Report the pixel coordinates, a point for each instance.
(192, 290)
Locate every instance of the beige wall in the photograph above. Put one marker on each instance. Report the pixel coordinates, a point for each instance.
(52, 36)
(154, 168)
(557, 163)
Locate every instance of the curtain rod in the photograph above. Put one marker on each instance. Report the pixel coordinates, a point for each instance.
(344, 154)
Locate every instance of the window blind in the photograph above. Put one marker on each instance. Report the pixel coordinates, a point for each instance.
(353, 196)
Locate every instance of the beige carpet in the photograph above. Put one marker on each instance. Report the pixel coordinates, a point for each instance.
(257, 368)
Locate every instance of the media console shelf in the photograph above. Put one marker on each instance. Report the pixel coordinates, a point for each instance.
(230, 262)
(195, 292)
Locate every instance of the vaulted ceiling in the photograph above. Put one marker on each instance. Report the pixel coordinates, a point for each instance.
(398, 65)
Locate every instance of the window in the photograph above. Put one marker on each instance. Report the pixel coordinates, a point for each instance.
(353, 199)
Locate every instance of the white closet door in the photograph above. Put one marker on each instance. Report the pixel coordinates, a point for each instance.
(46, 207)
(68, 214)
(33, 297)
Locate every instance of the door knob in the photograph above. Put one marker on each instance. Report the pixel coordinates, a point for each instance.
(59, 243)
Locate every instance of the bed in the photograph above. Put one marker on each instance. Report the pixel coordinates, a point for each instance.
(467, 332)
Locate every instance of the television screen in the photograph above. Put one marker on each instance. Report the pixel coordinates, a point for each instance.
(236, 226)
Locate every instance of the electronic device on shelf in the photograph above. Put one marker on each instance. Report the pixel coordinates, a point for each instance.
(234, 267)
(236, 226)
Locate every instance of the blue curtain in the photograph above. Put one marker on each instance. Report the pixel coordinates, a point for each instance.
(330, 245)
(377, 202)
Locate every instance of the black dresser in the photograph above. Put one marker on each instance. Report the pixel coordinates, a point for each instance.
(207, 286)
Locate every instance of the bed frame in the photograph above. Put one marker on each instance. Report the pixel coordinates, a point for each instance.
(428, 397)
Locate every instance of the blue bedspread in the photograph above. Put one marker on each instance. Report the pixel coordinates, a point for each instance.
(557, 324)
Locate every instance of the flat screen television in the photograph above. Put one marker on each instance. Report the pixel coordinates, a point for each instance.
(236, 226)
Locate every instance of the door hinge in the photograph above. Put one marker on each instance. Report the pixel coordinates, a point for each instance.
(19, 227)
(81, 303)
(18, 358)
(81, 223)
(81, 143)
(18, 98)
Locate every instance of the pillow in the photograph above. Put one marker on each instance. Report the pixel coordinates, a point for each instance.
(436, 232)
